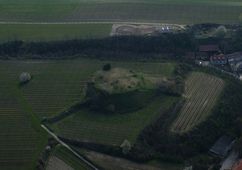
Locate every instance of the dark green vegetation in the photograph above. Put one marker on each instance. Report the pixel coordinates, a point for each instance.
(172, 11)
(50, 32)
(163, 47)
(224, 120)
(166, 46)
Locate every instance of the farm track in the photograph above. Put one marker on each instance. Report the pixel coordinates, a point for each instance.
(68, 147)
(201, 91)
(182, 26)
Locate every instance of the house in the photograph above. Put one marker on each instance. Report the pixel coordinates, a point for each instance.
(235, 61)
(222, 146)
(219, 59)
(206, 51)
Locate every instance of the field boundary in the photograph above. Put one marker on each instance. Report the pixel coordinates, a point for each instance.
(88, 22)
(69, 148)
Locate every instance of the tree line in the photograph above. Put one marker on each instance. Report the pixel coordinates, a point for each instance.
(130, 47)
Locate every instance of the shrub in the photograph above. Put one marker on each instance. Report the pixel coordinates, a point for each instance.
(24, 78)
(126, 146)
(221, 31)
(107, 67)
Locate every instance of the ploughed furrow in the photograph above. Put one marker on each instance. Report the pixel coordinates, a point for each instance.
(201, 105)
(189, 104)
(201, 93)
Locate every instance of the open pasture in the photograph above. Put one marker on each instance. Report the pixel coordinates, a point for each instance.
(111, 129)
(58, 84)
(20, 144)
(55, 86)
(52, 32)
(201, 93)
(172, 11)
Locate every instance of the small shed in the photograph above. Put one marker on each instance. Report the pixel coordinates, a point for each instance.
(222, 146)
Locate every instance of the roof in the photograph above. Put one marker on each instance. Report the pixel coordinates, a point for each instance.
(222, 146)
(237, 166)
(234, 55)
(208, 48)
(218, 57)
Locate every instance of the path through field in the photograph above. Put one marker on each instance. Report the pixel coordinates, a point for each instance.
(68, 147)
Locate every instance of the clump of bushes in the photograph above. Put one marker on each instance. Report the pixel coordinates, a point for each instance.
(221, 31)
(125, 146)
(107, 67)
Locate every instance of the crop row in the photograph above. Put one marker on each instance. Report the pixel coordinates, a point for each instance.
(201, 93)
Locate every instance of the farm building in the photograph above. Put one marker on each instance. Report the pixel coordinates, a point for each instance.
(222, 146)
(219, 59)
(206, 51)
(235, 61)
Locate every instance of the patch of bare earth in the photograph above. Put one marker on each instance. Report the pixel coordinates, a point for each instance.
(55, 163)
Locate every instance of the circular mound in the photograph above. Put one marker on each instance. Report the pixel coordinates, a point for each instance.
(119, 80)
(119, 90)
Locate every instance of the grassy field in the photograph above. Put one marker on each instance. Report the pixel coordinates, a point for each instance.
(21, 139)
(50, 32)
(172, 11)
(201, 93)
(61, 11)
(55, 86)
(111, 129)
